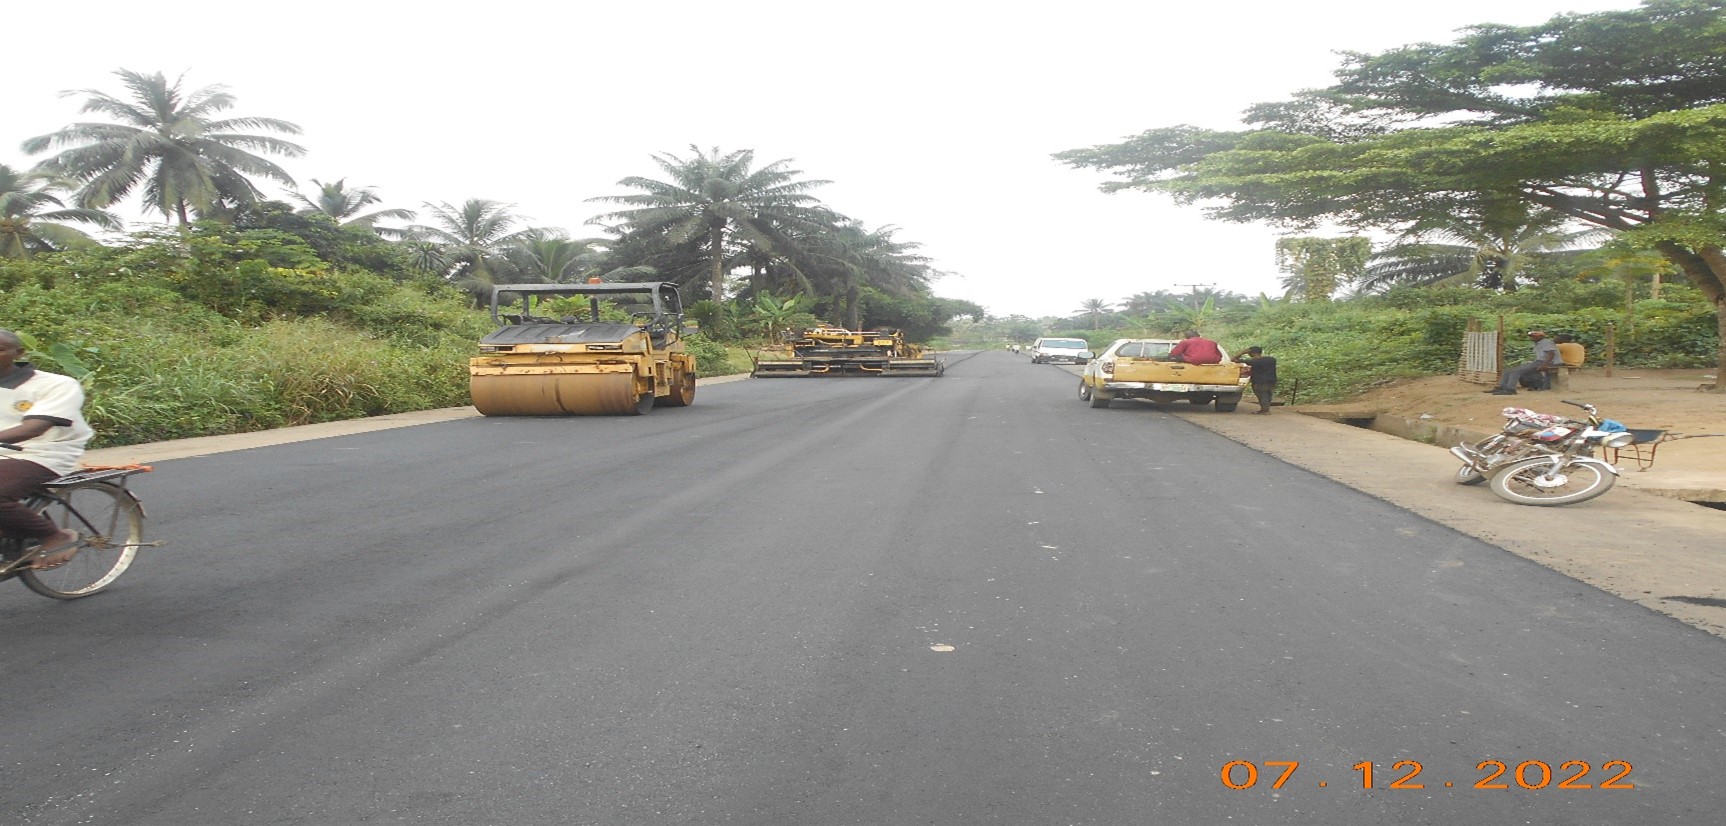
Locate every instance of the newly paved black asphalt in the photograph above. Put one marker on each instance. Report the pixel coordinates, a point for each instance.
(964, 600)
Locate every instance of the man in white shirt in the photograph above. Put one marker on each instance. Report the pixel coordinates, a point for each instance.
(42, 415)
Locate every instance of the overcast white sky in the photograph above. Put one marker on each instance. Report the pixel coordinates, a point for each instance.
(935, 117)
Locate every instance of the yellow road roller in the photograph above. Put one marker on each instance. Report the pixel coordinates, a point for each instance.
(834, 351)
(540, 364)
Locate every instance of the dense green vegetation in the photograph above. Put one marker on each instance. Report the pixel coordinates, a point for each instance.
(232, 330)
(1329, 351)
(243, 326)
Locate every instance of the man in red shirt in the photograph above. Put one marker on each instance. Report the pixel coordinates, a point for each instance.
(1196, 349)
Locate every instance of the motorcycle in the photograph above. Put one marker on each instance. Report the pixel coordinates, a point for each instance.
(1543, 460)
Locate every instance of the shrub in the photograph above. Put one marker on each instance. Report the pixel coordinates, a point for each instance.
(711, 357)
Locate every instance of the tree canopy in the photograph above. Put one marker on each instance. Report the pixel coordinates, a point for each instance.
(1613, 119)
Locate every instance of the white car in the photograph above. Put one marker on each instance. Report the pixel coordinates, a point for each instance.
(1052, 350)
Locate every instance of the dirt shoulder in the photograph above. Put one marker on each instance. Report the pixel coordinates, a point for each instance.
(1686, 463)
(1641, 541)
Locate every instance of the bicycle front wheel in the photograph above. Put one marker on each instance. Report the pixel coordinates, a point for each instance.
(112, 527)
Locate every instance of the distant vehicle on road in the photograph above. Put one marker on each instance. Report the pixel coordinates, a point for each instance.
(1055, 350)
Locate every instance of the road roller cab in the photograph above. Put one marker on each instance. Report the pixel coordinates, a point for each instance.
(551, 356)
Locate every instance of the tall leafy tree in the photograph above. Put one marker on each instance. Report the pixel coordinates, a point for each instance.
(188, 162)
(472, 240)
(348, 207)
(1631, 144)
(33, 219)
(719, 198)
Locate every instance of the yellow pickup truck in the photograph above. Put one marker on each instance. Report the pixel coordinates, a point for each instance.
(1139, 368)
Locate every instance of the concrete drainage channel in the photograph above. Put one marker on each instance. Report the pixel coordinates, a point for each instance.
(1447, 435)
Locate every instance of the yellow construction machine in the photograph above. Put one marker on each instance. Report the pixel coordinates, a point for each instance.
(834, 351)
(553, 365)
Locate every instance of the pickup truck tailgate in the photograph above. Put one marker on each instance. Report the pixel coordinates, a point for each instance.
(1174, 372)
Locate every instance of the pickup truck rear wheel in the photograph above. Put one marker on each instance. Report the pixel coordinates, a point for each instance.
(1227, 407)
(1084, 392)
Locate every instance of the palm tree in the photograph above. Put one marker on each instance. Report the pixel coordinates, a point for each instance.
(346, 205)
(28, 222)
(638, 256)
(843, 259)
(1095, 307)
(550, 257)
(1315, 267)
(1487, 245)
(1143, 303)
(718, 197)
(168, 141)
(472, 240)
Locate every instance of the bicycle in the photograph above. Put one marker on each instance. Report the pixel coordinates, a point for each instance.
(95, 502)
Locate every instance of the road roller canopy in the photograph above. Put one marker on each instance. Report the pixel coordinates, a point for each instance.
(662, 294)
(559, 333)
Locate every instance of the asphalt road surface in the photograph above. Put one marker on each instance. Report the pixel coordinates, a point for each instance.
(957, 600)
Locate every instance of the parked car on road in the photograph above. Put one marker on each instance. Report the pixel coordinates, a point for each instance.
(1139, 368)
(1055, 350)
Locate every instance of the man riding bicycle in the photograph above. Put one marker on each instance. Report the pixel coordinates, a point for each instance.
(42, 413)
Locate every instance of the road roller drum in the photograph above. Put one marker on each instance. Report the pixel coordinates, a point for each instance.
(544, 365)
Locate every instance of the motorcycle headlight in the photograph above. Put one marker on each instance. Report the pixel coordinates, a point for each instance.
(1618, 440)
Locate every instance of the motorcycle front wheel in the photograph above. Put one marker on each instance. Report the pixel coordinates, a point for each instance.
(1527, 482)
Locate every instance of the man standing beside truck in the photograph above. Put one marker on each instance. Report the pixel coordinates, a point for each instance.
(1263, 375)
